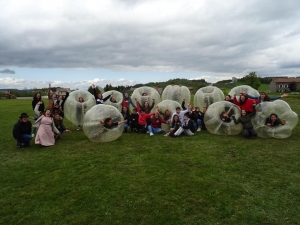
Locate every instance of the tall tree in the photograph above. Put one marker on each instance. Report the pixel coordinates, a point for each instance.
(252, 80)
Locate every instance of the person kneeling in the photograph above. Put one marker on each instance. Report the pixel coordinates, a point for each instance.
(22, 131)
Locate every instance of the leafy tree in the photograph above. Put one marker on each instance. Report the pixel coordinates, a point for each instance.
(293, 86)
(252, 80)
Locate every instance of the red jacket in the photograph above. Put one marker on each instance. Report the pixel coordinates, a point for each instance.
(143, 118)
(247, 105)
(156, 122)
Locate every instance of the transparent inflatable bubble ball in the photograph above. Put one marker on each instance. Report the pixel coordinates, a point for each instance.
(168, 105)
(208, 95)
(145, 93)
(239, 89)
(215, 125)
(74, 109)
(283, 111)
(176, 93)
(97, 132)
(115, 99)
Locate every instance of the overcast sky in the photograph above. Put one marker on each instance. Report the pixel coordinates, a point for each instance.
(77, 43)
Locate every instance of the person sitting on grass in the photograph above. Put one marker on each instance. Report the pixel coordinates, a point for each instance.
(155, 124)
(273, 121)
(143, 119)
(134, 121)
(109, 124)
(187, 127)
(22, 131)
(245, 120)
(58, 122)
(196, 116)
(176, 124)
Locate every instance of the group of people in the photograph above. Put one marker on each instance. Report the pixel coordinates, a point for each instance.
(49, 120)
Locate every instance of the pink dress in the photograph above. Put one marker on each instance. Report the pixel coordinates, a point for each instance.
(45, 135)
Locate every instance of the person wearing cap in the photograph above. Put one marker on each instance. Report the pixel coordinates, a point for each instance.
(22, 131)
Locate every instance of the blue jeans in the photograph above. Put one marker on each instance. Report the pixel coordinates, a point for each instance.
(198, 123)
(26, 138)
(154, 130)
(126, 125)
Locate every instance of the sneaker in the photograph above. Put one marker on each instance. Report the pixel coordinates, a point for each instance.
(199, 129)
(78, 128)
(151, 134)
(32, 135)
(147, 132)
(167, 134)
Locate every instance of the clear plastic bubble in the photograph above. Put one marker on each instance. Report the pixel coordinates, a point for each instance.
(97, 132)
(176, 93)
(283, 111)
(238, 89)
(215, 125)
(167, 105)
(74, 111)
(207, 95)
(118, 96)
(143, 94)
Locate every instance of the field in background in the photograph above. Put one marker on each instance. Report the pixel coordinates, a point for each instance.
(138, 179)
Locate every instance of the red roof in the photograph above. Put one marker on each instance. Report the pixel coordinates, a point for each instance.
(286, 80)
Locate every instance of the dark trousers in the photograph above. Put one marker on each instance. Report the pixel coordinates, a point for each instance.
(249, 132)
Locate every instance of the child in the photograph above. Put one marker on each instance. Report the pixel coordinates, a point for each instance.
(133, 120)
(187, 127)
(176, 124)
(155, 124)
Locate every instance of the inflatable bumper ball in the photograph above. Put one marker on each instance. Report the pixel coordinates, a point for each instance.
(116, 96)
(74, 110)
(168, 105)
(143, 94)
(206, 96)
(215, 125)
(238, 90)
(97, 132)
(283, 111)
(176, 93)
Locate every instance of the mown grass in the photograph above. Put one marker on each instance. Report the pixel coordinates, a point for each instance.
(138, 179)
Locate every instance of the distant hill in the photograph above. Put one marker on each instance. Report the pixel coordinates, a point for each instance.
(194, 84)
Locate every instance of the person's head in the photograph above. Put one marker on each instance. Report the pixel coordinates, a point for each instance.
(100, 96)
(228, 97)
(204, 109)
(146, 103)
(242, 98)
(57, 116)
(54, 95)
(23, 117)
(80, 99)
(60, 97)
(273, 117)
(142, 111)
(134, 111)
(178, 110)
(112, 99)
(224, 114)
(197, 109)
(156, 115)
(186, 116)
(37, 96)
(126, 95)
(243, 112)
(263, 96)
(176, 118)
(48, 113)
(108, 122)
(124, 109)
(56, 106)
(167, 112)
(144, 94)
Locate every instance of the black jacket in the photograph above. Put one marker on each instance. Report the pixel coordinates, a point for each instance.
(189, 125)
(21, 128)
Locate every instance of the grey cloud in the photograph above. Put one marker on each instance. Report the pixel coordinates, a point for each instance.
(221, 38)
(8, 71)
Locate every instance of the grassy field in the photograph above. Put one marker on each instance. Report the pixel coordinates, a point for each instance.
(138, 179)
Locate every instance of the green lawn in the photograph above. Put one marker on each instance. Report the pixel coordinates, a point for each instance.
(138, 179)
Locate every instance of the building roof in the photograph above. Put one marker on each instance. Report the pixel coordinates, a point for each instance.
(286, 80)
(63, 89)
